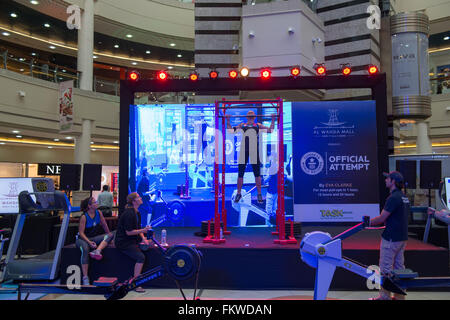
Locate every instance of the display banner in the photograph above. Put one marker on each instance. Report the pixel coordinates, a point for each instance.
(335, 161)
(410, 72)
(66, 106)
(9, 193)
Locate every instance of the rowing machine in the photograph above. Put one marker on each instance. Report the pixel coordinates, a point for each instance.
(181, 262)
(244, 205)
(324, 253)
(196, 173)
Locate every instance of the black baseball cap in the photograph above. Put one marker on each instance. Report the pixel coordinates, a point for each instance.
(394, 175)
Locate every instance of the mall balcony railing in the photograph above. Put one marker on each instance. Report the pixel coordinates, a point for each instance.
(311, 3)
(54, 73)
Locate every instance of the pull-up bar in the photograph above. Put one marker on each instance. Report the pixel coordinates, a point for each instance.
(244, 115)
(222, 215)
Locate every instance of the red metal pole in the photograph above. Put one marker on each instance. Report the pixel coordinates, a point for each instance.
(224, 211)
(282, 235)
(216, 239)
(208, 238)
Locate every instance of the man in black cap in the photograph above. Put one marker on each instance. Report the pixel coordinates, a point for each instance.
(395, 217)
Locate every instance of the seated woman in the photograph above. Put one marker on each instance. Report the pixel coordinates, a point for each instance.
(92, 231)
(129, 234)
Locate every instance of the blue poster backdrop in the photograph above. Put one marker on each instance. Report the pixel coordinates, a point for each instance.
(335, 161)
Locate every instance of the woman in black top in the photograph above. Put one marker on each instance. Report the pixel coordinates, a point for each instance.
(92, 231)
(254, 146)
(129, 235)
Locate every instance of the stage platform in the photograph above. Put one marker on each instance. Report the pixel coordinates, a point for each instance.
(250, 260)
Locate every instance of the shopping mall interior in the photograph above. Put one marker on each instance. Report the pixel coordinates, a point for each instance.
(104, 92)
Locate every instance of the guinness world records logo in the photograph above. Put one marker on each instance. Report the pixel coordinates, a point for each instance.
(312, 163)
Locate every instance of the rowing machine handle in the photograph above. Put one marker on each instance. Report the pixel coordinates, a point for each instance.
(366, 221)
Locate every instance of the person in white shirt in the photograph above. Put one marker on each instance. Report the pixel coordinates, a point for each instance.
(105, 201)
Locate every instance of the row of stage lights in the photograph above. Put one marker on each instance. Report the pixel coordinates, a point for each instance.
(265, 73)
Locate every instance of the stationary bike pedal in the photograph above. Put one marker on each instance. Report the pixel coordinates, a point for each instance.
(404, 274)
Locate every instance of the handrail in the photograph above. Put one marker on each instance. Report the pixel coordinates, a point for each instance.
(54, 73)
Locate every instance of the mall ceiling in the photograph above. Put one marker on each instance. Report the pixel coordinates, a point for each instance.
(30, 22)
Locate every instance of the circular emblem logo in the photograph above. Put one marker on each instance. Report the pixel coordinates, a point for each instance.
(41, 186)
(181, 263)
(312, 163)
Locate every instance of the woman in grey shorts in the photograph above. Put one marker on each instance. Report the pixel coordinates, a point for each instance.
(93, 233)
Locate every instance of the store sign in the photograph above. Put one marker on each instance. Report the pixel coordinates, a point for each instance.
(49, 169)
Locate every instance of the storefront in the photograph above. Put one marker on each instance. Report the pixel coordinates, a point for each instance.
(110, 174)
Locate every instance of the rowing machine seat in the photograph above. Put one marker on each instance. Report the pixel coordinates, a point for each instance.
(5, 232)
(404, 274)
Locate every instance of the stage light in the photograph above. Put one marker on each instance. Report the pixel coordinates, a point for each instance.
(162, 75)
(373, 69)
(346, 69)
(245, 72)
(295, 71)
(213, 74)
(233, 74)
(320, 69)
(134, 75)
(266, 73)
(193, 76)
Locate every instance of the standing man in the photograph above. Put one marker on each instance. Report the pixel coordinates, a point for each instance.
(143, 189)
(105, 201)
(395, 216)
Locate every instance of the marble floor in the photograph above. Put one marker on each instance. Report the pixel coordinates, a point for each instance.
(173, 294)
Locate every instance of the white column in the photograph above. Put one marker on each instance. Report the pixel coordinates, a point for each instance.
(86, 46)
(423, 144)
(83, 143)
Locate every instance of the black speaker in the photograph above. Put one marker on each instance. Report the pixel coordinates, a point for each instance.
(92, 177)
(70, 177)
(430, 174)
(408, 168)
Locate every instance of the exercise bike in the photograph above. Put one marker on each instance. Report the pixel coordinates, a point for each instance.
(181, 262)
(324, 253)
